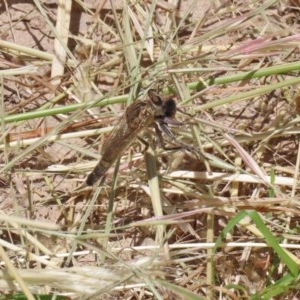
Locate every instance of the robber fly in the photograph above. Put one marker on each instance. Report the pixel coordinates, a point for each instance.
(138, 116)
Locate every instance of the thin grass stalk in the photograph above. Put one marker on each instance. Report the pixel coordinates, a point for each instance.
(232, 24)
(297, 166)
(98, 102)
(32, 147)
(110, 213)
(104, 101)
(177, 246)
(239, 76)
(61, 39)
(210, 256)
(20, 221)
(13, 271)
(147, 38)
(58, 137)
(42, 259)
(19, 71)
(50, 24)
(246, 95)
(279, 180)
(79, 230)
(155, 193)
(19, 49)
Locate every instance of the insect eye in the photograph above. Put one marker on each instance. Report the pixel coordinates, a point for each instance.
(154, 98)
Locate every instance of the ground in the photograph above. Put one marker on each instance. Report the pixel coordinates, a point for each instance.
(233, 71)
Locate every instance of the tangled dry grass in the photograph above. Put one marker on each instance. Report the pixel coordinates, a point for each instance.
(166, 224)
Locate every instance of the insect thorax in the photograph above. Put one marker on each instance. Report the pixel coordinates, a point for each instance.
(138, 114)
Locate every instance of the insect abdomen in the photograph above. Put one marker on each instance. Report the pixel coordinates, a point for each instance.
(98, 172)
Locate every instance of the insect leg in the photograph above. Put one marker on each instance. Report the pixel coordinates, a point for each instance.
(170, 135)
(162, 127)
(145, 143)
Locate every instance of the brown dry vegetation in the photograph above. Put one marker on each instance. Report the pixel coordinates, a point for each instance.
(166, 224)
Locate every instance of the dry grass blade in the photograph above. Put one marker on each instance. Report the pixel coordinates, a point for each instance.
(61, 40)
(83, 281)
(148, 38)
(155, 194)
(31, 223)
(15, 275)
(280, 180)
(250, 162)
